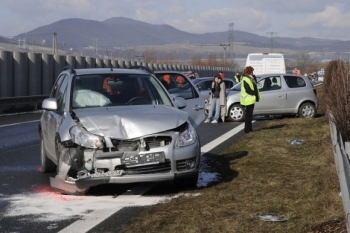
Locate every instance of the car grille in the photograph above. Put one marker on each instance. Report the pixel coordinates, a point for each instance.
(148, 168)
(143, 144)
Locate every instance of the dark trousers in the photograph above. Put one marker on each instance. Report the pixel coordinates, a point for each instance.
(248, 118)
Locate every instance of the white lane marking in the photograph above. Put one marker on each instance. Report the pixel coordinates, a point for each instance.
(130, 197)
(211, 145)
(18, 123)
(91, 220)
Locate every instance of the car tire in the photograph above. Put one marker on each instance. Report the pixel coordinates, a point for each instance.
(46, 164)
(236, 113)
(307, 110)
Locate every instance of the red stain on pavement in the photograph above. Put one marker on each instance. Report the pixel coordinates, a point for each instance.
(50, 192)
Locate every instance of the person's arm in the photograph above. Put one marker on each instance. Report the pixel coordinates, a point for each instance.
(248, 89)
(212, 87)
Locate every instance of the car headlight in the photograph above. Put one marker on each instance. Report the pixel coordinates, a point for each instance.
(83, 138)
(187, 137)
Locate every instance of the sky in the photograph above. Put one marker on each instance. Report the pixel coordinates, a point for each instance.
(280, 18)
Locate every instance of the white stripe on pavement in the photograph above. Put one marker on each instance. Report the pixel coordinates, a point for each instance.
(211, 145)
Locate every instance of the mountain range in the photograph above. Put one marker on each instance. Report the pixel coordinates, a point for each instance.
(124, 32)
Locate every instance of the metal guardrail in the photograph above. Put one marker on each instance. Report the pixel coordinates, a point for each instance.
(22, 100)
(341, 152)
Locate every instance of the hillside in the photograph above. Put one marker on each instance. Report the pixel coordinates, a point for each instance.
(122, 33)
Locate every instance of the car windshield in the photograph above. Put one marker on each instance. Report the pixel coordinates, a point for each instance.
(100, 90)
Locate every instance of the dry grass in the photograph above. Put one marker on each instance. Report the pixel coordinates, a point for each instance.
(262, 173)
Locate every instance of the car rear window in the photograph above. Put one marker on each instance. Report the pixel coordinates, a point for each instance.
(295, 81)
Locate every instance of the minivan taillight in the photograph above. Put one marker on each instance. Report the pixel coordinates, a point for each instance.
(315, 92)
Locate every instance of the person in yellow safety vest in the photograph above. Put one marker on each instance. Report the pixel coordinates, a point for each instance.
(249, 96)
(237, 77)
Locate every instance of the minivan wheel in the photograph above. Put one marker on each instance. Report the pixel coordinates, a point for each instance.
(46, 164)
(236, 113)
(307, 110)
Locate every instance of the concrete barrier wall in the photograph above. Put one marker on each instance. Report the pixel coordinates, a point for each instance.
(26, 74)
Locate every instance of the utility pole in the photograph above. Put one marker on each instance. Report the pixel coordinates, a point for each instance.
(225, 47)
(22, 43)
(230, 38)
(54, 43)
(272, 42)
(325, 50)
(139, 56)
(95, 46)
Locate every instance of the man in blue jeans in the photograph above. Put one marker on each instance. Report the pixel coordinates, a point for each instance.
(217, 99)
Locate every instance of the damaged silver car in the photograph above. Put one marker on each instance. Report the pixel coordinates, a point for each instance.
(109, 125)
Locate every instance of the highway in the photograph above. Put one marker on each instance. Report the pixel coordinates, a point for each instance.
(30, 205)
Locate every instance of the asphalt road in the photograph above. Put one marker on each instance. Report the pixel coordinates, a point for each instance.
(30, 205)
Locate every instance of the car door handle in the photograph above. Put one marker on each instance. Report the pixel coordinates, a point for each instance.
(198, 107)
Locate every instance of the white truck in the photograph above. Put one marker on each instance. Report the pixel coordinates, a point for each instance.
(266, 63)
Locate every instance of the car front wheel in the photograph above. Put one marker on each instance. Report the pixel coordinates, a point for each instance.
(46, 164)
(236, 113)
(307, 110)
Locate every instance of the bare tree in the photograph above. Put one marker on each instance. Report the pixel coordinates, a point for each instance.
(150, 56)
(303, 61)
(337, 92)
(196, 59)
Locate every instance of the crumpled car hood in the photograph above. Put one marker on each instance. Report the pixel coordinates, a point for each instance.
(130, 122)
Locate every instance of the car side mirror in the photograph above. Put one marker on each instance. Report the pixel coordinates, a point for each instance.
(180, 102)
(49, 104)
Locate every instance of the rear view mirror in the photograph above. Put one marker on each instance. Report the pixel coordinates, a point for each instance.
(113, 83)
(49, 104)
(180, 102)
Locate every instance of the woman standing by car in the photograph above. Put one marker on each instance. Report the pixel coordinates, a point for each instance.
(249, 96)
(217, 100)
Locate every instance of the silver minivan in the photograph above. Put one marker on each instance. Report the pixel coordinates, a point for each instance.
(281, 94)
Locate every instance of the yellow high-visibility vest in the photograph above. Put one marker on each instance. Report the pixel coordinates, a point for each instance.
(247, 99)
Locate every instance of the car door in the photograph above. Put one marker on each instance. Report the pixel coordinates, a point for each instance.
(273, 98)
(194, 103)
(54, 118)
(205, 88)
(298, 91)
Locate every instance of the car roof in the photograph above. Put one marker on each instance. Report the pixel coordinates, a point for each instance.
(108, 71)
(211, 78)
(168, 71)
(278, 74)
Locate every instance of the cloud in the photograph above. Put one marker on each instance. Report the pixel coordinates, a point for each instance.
(330, 18)
(146, 15)
(298, 17)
